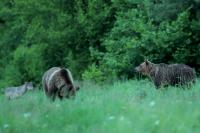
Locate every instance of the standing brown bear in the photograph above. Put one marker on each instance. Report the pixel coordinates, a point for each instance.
(58, 82)
(163, 74)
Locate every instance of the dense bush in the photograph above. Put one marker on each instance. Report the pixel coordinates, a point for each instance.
(27, 65)
(97, 40)
(138, 34)
(67, 34)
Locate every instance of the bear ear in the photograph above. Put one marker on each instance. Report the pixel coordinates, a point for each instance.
(146, 62)
(65, 75)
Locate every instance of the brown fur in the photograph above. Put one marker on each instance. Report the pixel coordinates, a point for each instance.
(163, 74)
(58, 82)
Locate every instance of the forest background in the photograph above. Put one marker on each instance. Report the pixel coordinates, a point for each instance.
(99, 40)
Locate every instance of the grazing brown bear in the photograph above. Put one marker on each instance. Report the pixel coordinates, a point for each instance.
(163, 74)
(58, 82)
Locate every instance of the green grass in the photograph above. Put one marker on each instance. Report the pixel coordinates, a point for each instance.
(123, 107)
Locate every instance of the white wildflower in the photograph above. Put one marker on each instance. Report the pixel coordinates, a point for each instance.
(190, 102)
(152, 103)
(111, 117)
(57, 105)
(121, 118)
(26, 115)
(6, 126)
(157, 122)
(44, 125)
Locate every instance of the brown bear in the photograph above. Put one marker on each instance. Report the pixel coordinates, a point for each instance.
(58, 82)
(164, 74)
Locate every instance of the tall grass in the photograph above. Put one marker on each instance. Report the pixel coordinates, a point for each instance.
(123, 107)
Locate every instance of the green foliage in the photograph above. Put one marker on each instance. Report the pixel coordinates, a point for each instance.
(26, 65)
(10, 76)
(29, 61)
(167, 10)
(66, 32)
(93, 73)
(136, 35)
(100, 40)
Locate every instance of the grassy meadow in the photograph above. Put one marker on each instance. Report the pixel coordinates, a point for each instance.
(123, 107)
